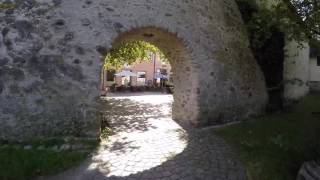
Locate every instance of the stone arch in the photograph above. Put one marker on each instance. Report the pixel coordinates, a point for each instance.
(52, 51)
(185, 106)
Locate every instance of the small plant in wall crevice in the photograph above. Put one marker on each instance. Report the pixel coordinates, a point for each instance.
(105, 133)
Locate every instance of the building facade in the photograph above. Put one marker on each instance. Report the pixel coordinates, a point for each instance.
(314, 70)
(148, 73)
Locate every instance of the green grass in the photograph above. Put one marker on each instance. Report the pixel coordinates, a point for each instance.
(275, 146)
(17, 163)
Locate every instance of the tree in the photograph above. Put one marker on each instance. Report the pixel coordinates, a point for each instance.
(306, 13)
(297, 19)
(269, 23)
(129, 53)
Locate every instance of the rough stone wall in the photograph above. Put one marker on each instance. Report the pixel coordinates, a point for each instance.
(51, 54)
(296, 70)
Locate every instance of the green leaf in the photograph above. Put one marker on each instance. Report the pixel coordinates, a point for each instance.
(130, 53)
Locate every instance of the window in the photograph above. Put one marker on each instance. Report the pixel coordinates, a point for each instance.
(164, 72)
(110, 75)
(318, 60)
(141, 81)
(142, 75)
(125, 81)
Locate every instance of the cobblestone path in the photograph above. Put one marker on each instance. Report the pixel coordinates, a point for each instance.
(148, 145)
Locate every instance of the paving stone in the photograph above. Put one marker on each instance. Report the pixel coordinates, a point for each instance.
(158, 154)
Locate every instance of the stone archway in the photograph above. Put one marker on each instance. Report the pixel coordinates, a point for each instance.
(185, 107)
(52, 51)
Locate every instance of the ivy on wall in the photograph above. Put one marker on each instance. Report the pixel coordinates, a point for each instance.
(297, 19)
(267, 43)
(7, 5)
(268, 26)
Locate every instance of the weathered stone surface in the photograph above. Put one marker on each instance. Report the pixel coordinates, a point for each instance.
(1, 87)
(3, 61)
(57, 2)
(53, 94)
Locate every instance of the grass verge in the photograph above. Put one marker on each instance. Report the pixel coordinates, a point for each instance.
(275, 146)
(19, 163)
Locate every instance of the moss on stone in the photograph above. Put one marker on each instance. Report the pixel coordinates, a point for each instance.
(6, 5)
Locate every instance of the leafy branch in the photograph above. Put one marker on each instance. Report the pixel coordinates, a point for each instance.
(297, 19)
(130, 53)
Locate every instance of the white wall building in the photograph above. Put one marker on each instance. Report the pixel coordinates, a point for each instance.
(296, 68)
(314, 70)
(301, 70)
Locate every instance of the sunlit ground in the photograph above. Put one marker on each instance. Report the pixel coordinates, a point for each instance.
(147, 144)
(145, 134)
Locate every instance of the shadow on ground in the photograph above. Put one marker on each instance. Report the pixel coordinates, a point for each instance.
(125, 115)
(148, 145)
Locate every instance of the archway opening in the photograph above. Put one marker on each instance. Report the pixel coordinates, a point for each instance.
(136, 66)
(174, 68)
(147, 116)
(137, 88)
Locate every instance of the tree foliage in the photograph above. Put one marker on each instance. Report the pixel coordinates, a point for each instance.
(297, 19)
(306, 13)
(130, 53)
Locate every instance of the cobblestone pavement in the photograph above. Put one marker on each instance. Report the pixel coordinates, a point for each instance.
(148, 145)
